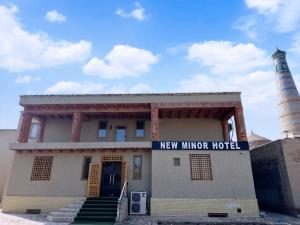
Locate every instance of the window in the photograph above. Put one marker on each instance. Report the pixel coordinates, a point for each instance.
(137, 167)
(176, 161)
(41, 169)
(102, 132)
(200, 165)
(34, 130)
(86, 167)
(140, 128)
(121, 134)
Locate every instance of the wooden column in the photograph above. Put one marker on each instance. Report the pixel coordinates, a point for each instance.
(76, 127)
(241, 133)
(41, 129)
(225, 129)
(25, 127)
(154, 122)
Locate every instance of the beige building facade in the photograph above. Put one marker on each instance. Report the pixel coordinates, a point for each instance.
(175, 147)
(7, 136)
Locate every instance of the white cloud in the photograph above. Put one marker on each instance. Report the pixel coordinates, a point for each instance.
(72, 87)
(54, 16)
(264, 6)
(225, 57)
(256, 87)
(282, 15)
(247, 25)
(140, 88)
(121, 61)
(27, 79)
(22, 50)
(137, 13)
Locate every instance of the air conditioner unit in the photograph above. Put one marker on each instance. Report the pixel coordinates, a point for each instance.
(138, 202)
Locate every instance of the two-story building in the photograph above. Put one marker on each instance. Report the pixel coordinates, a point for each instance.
(177, 147)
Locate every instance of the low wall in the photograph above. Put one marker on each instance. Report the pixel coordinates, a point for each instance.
(19, 204)
(181, 206)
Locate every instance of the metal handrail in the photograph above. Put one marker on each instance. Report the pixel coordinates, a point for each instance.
(123, 190)
(123, 194)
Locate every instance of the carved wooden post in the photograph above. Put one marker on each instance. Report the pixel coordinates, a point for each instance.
(25, 127)
(241, 133)
(225, 129)
(41, 130)
(154, 122)
(76, 126)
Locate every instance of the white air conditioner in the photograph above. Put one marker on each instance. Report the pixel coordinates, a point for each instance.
(138, 202)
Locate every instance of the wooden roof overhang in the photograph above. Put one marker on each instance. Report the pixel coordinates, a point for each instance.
(217, 110)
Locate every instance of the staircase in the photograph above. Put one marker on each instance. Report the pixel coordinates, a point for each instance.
(67, 213)
(102, 211)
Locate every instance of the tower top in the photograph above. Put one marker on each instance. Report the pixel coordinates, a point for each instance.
(279, 54)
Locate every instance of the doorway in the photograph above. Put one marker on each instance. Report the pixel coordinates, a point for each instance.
(111, 179)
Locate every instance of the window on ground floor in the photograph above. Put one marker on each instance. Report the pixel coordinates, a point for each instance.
(176, 161)
(200, 166)
(41, 169)
(86, 167)
(137, 167)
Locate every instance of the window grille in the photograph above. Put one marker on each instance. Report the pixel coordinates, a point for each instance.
(112, 158)
(176, 161)
(41, 169)
(200, 165)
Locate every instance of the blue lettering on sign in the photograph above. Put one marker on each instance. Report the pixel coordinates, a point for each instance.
(200, 145)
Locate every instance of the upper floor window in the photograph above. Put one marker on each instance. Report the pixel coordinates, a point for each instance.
(140, 131)
(102, 132)
(34, 131)
(121, 134)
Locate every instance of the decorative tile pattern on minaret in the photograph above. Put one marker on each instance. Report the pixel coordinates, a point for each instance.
(289, 100)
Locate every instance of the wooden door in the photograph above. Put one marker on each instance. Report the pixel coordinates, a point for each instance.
(94, 180)
(124, 173)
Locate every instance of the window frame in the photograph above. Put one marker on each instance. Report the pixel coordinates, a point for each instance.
(99, 128)
(41, 173)
(125, 136)
(84, 166)
(136, 129)
(140, 177)
(37, 131)
(175, 163)
(201, 170)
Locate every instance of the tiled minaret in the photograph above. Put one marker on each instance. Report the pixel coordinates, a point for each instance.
(289, 100)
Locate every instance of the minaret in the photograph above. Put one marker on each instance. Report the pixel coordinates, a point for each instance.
(289, 100)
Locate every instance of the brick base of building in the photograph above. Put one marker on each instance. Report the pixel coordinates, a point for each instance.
(181, 206)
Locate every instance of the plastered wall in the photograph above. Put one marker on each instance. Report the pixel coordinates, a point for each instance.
(232, 176)
(66, 174)
(6, 155)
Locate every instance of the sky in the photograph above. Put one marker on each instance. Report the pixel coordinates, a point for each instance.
(94, 47)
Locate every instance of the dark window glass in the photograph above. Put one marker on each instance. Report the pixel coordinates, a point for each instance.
(102, 132)
(137, 167)
(140, 128)
(121, 134)
(176, 161)
(86, 167)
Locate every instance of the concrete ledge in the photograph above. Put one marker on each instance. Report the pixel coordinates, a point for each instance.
(19, 204)
(79, 145)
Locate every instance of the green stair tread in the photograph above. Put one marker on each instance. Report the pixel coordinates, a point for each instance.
(97, 210)
(93, 223)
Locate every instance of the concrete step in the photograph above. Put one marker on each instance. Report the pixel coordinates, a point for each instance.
(60, 219)
(67, 213)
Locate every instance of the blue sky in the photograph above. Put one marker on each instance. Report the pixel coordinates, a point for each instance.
(64, 47)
